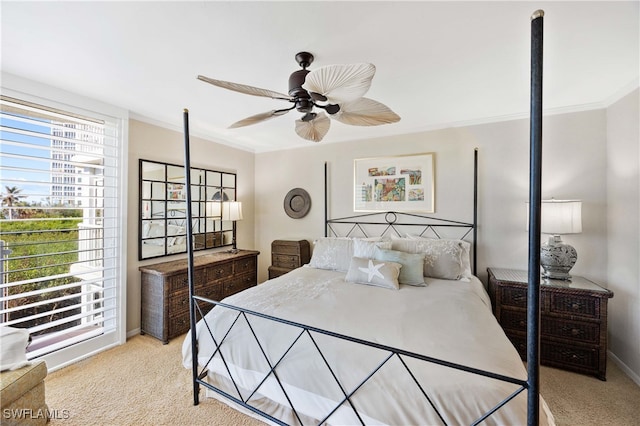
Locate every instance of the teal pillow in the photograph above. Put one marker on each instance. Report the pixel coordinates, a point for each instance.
(412, 269)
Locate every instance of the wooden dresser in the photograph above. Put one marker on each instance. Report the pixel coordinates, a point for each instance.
(287, 255)
(573, 319)
(165, 288)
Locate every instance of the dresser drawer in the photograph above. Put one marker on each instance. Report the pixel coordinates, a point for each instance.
(178, 303)
(240, 283)
(588, 332)
(219, 271)
(513, 296)
(181, 281)
(285, 261)
(179, 324)
(244, 265)
(574, 305)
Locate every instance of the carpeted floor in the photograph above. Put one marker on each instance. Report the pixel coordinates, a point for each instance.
(143, 383)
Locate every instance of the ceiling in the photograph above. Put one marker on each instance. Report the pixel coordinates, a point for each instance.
(439, 64)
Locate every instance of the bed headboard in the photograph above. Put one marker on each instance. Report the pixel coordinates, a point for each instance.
(391, 223)
(399, 224)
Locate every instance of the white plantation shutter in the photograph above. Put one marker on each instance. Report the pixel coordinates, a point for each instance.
(63, 182)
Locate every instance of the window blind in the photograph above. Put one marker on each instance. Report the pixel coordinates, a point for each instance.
(59, 234)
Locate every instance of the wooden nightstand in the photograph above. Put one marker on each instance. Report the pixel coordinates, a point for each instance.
(287, 255)
(165, 288)
(573, 319)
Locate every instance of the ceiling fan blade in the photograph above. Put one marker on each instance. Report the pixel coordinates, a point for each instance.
(366, 112)
(254, 119)
(243, 88)
(340, 83)
(315, 129)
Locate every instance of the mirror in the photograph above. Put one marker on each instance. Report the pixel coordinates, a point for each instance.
(163, 209)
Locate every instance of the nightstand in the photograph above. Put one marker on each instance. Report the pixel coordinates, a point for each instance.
(573, 319)
(287, 255)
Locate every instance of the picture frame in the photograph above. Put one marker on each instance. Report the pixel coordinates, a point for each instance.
(403, 183)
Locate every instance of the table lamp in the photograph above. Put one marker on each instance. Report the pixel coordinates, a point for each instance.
(559, 217)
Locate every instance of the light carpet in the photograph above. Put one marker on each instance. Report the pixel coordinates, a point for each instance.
(143, 383)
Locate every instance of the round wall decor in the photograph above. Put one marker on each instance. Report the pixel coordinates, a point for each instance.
(297, 203)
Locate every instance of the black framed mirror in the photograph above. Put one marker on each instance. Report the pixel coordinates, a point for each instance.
(163, 209)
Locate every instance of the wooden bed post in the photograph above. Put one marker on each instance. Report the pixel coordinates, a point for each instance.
(326, 202)
(192, 311)
(535, 184)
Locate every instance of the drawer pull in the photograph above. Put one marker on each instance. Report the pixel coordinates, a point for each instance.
(576, 306)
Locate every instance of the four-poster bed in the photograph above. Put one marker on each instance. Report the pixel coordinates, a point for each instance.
(314, 346)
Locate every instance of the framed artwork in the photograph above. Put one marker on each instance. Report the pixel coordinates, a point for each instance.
(402, 183)
(175, 191)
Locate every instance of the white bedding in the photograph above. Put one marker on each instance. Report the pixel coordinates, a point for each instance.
(448, 320)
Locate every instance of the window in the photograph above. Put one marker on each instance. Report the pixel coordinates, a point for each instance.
(63, 182)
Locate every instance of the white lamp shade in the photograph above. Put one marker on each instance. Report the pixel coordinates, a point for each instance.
(561, 217)
(214, 209)
(232, 210)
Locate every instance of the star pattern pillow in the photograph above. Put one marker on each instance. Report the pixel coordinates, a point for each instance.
(374, 272)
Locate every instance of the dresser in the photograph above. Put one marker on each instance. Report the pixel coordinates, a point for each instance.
(287, 255)
(573, 319)
(165, 288)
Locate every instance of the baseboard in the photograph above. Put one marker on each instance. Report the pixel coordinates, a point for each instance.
(133, 332)
(635, 377)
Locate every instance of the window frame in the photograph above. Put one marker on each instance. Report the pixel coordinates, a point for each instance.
(39, 93)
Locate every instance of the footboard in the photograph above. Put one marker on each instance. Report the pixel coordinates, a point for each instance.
(423, 402)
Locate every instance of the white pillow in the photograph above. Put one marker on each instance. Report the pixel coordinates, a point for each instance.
(365, 247)
(466, 255)
(333, 253)
(443, 258)
(374, 272)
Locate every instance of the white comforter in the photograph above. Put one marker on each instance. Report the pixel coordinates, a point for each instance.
(448, 320)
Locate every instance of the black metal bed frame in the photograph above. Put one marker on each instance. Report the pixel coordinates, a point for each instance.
(533, 314)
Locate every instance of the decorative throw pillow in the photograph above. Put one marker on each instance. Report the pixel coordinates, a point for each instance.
(365, 247)
(466, 254)
(412, 269)
(374, 272)
(443, 258)
(333, 253)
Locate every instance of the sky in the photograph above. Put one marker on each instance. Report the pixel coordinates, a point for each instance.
(34, 177)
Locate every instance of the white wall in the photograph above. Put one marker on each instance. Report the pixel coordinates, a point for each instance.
(623, 230)
(574, 167)
(150, 142)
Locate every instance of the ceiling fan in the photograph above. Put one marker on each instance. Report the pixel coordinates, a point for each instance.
(336, 89)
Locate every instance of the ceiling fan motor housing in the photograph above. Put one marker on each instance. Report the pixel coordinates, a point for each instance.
(302, 97)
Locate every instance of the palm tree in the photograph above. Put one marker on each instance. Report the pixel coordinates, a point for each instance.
(11, 197)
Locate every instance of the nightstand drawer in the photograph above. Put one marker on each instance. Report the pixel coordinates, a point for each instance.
(513, 296)
(574, 305)
(587, 332)
(513, 320)
(290, 248)
(571, 357)
(285, 261)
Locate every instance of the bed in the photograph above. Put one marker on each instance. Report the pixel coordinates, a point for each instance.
(423, 330)
(347, 340)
